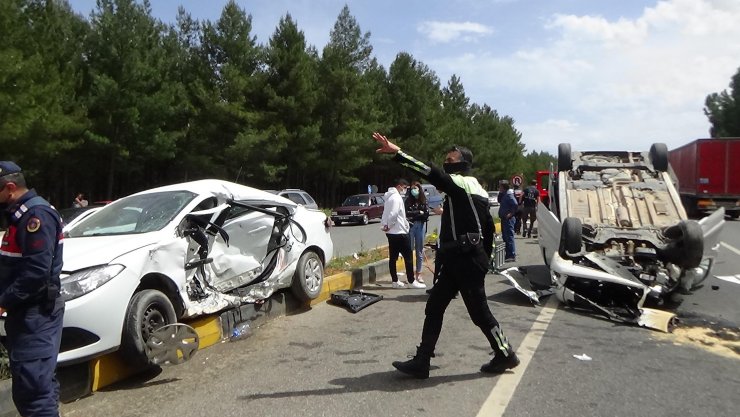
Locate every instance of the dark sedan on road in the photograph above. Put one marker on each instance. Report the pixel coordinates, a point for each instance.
(359, 208)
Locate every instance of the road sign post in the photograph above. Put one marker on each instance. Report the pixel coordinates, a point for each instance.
(516, 180)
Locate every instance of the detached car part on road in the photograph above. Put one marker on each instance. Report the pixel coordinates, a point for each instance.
(151, 259)
(618, 237)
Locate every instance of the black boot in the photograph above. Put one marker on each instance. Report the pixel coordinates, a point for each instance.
(500, 363)
(418, 366)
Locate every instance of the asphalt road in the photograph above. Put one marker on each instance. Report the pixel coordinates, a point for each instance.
(351, 238)
(329, 362)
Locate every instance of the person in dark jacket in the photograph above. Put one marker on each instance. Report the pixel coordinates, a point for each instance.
(507, 213)
(465, 246)
(530, 197)
(417, 212)
(30, 264)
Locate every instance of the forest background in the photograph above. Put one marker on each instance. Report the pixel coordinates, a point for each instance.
(119, 101)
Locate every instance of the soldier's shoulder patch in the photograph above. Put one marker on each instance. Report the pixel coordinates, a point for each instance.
(33, 225)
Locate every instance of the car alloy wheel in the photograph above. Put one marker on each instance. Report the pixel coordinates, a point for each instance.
(309, 277)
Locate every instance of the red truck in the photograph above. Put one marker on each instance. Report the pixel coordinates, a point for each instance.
(543, 185)
(706, 177)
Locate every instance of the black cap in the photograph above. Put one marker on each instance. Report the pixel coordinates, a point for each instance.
(467, 154)
(8, 167)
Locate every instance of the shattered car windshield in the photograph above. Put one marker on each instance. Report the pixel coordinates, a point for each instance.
(355, 200)
(135, 214)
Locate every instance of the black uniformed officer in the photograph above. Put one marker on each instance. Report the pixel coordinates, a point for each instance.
(30, 263)
(465, 246)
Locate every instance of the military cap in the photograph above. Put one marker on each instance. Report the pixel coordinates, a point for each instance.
(8, 167)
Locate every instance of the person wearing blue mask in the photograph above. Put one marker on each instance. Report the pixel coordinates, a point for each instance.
(417, 213)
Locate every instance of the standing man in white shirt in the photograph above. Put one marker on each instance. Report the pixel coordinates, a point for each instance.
(396, 228)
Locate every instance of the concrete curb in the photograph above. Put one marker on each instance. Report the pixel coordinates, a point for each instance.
(278, 305)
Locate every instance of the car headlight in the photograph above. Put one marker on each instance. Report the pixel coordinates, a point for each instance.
(333, 213)
(355, 212)
(81, 283)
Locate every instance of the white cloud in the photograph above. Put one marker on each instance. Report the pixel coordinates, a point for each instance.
(620, 83)
(445, 32)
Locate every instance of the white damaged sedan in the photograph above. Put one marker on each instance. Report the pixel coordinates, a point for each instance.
(182, 251)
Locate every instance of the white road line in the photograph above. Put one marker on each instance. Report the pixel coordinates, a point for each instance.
(501, 394)
(734, 249)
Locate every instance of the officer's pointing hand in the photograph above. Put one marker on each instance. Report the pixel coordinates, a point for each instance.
(386, 146)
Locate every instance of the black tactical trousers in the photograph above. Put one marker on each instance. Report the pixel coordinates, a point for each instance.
(460, 273)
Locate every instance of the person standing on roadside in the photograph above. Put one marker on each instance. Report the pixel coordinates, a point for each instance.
(519, 212)
(417, 212)
(396, 228)
(530, 197)
(507, 213)
(30, 264)
(465, 246)
(79, 201)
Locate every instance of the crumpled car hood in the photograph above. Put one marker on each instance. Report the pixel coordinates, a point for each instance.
(84, 252)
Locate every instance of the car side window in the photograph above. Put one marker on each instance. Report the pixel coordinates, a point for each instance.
(379, 200)
(309, 199)
(295, 197)
(206, 204)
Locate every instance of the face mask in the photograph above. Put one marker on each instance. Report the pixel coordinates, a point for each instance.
(415, 192)
(455, 167)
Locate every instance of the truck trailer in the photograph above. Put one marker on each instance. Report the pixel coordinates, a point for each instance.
(707, 178)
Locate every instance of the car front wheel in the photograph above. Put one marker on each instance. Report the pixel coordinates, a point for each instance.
(365, 219)
(309, 277)
(148, 311)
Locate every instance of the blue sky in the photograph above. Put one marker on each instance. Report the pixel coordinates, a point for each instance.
(600, 74)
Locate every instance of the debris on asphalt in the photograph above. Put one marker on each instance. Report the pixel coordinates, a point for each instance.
(582, 357)
(354, 300)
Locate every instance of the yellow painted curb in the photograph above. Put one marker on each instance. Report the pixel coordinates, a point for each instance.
(109, 369)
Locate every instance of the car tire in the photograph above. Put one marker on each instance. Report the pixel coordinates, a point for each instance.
(686, 248)
(147, 311)
(659, 156)
(565, 158)
(570, 237)
(309, 277)
(365, 219)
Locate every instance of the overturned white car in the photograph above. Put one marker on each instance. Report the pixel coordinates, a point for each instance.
(180, 251)
(618, 238)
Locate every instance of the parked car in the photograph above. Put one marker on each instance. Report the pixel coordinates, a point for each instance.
(618, 237)
(434, 197)
(359, 208)
(493, 199)
(297, 196)
(182, 251)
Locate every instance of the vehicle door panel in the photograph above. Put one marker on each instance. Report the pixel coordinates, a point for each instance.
(548, 229)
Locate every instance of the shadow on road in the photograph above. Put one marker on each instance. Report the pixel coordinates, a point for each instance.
(389, 381)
